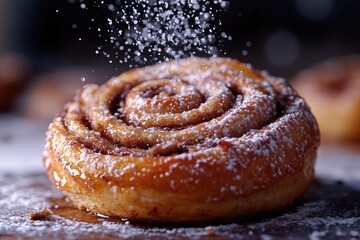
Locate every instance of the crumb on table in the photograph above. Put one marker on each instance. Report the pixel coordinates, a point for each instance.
(40, 215)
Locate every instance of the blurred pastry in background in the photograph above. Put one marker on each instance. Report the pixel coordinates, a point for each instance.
(332, 89)
(14, 74)
(50, 91)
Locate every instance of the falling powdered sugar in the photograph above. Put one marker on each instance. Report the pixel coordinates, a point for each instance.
(147, 31)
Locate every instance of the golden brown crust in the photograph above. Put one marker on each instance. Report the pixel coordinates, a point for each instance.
(332, 89)
(176, 164)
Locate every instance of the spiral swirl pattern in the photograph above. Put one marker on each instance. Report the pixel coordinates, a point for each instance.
(201, 131)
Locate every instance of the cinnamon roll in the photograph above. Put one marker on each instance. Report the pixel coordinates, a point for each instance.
(15, 72)
(189, 140)
(332, 89)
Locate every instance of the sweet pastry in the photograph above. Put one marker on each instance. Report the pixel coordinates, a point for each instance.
(47, 95)
(14, 74)
(190, 140)
(332, 89)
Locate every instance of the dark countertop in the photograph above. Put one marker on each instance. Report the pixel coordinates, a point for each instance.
(330, 210)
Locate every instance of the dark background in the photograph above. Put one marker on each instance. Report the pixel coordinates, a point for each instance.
(280, 36)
